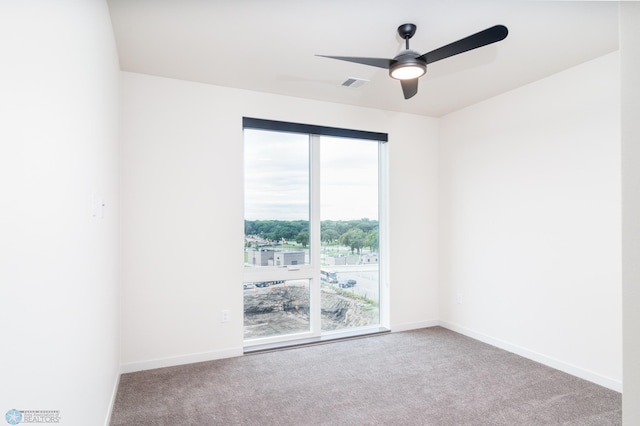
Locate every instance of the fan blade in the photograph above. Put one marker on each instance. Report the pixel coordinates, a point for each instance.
(488, 36)
(374, 62)
(409, 87)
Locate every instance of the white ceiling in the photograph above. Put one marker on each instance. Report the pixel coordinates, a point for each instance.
(270, 45)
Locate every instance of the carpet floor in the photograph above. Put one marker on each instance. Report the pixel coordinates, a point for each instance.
(431, 376)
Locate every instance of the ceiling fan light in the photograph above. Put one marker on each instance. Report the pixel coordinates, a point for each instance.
(408, 71)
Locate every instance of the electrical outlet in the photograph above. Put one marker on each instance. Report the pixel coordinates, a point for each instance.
(225, 315)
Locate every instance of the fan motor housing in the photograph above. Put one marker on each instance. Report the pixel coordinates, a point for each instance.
(407, 66)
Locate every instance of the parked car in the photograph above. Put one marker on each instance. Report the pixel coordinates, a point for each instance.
(268, 283)
(346, 283)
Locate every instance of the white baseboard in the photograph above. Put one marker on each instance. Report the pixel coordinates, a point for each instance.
(112, 400)
(414, 325)
(181, 360)
(591, 376)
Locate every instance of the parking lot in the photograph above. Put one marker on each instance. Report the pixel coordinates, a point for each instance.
(366, 278)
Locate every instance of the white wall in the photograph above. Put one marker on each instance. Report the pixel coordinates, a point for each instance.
(530, 221)
(630, 69)
(183, 213)
(58, 265)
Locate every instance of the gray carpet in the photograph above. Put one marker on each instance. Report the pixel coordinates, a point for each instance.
(430, 376)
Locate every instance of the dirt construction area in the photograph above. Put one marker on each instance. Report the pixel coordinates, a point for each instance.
(279, 310)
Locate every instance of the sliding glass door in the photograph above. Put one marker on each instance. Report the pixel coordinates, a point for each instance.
(276, 236)
(349, 233)
(312, 234)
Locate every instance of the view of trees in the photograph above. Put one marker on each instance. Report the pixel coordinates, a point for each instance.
(355, 234)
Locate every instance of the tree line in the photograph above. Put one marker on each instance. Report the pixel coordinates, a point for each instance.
(355, 234)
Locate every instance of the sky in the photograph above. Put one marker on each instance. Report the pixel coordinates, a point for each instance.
(277, 177)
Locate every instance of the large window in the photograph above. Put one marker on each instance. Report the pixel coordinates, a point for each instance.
(313, 230)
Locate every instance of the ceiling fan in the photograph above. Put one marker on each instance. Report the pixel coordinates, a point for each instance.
(410, 65)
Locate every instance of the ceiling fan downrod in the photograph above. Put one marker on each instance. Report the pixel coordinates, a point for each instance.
(406, 31)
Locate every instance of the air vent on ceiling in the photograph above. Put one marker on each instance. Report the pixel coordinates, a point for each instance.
(354, 82)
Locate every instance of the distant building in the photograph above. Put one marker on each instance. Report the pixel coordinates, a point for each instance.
(342, 259)
(271, 257)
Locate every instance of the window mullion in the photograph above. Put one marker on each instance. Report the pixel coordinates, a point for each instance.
(315, 240)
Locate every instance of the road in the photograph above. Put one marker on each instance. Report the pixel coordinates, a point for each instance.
(366, 276)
